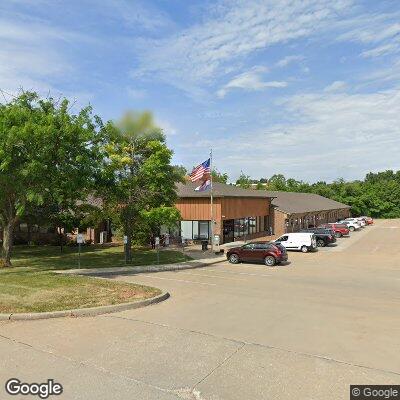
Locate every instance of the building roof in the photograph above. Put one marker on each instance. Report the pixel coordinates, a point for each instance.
(219, 190)
(296, 203)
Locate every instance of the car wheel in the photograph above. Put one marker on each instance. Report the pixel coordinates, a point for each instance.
(304, 249)
(234, 259)
(320, 243)
(352, 229)
(269, 261)
(338, 235)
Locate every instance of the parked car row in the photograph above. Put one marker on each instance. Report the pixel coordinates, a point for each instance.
(275, 252)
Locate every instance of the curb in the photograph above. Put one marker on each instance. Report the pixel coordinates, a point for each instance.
(85, 312)
(136, 270)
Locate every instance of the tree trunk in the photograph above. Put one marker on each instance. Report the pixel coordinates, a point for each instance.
(60, 238)
(29, 233)
(8, 237)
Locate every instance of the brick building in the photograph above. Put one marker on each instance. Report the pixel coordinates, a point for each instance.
(294, 211)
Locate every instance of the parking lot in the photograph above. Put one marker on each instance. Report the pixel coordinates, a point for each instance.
(305, 330)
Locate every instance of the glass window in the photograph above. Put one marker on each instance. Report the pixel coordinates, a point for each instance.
(203, 230)
(244, 224)
(261, 246)
(195, 229)
(237, 230)
(187, 229)
(249, 246)
(283, 238)
(252, 225)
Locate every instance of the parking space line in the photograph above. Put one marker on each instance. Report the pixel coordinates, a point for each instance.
(179, 280)
(239, 273)
(211, 276)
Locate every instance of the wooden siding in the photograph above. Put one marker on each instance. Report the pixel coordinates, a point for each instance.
(242, 207)
(224, 208)
(198, 209)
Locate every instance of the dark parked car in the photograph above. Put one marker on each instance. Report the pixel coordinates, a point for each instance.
(324, 236)
(339, 229)
(265, 252)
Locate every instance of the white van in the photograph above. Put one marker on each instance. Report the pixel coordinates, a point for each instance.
(298, 241)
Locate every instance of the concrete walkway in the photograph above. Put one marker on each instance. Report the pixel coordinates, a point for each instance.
(207, 259)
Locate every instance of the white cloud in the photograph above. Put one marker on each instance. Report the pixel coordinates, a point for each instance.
(134, 13)
(196, 56)
(335, 86)
(384, 74)
(31, 56)
(380, 30)
(284, 62)
(168, 128)
(329, 135)
(136, 94)
(388, 48)
(249, 81)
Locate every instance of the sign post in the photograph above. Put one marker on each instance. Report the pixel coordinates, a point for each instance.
(79, 240)
(125, 252)
(158, 249)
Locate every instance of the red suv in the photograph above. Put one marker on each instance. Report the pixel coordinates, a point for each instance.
(265, 252)
(339, 229)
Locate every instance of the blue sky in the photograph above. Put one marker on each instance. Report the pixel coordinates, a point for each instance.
(307, 88)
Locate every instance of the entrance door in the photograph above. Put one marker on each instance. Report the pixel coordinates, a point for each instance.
(228, 229)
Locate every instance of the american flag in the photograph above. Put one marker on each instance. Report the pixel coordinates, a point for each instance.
(200, 171)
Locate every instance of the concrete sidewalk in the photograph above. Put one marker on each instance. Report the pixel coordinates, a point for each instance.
(199, 263)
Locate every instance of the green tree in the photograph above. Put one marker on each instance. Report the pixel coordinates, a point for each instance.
(45, 152)
(277, 182)
(160, 216)
(139, 173)
(243, 181)
(219, 176)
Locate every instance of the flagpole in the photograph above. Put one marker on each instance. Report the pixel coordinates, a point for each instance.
(211, 202)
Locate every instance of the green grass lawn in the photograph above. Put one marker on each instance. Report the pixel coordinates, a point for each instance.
(50, 257)
(28, 291)
(31, 286)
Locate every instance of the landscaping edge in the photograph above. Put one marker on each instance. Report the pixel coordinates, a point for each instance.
(85, 312)
(140, 268)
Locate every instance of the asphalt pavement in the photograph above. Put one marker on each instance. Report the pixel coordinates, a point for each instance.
(305, 330)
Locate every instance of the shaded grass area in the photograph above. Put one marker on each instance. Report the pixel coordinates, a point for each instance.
(31, 286)
(28, 291)
(50, 257)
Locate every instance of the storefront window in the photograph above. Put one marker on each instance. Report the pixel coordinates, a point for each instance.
(195, 230)
(187, 230)
(203, 229)
(252, 225)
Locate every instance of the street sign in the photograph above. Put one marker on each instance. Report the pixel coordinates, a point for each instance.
(125, 239)
(157, 241)
(80, 239)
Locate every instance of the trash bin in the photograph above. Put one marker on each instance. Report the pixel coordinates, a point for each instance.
(204, 245)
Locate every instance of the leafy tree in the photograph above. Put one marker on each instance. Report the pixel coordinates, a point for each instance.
(139, 174)
(45, 152)
(261, 186)
(160, 216)
(219, 176)
(377, 195)
(244, 181)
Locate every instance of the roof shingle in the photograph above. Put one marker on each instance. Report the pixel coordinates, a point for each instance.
(289, 202)
(219, 190)
(297, 203)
